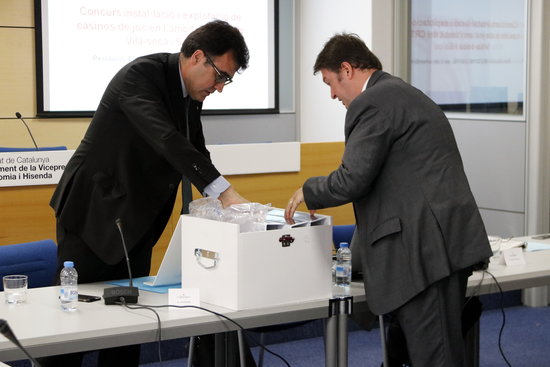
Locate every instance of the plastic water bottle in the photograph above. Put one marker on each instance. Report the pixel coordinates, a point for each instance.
(69, 287)
(343, 270)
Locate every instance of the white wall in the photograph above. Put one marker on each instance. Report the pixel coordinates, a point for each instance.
(493, 152)
(321, 118)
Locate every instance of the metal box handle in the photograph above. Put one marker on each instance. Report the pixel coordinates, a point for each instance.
(201, 254)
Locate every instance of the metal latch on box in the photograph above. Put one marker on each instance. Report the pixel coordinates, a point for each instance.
(211, 257)
(286, 240)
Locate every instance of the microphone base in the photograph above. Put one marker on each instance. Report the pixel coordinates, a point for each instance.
(113, 295)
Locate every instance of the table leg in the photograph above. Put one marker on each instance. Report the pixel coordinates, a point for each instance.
(343, 340)
(383, 339)
(242, 352)
(191, 350)
(336, 347)
(331, 342)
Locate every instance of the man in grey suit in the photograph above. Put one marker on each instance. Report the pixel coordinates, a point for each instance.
(419, 231)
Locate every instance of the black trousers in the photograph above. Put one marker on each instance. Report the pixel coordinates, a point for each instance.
(428, 330)
(91, 269)
(204, 351)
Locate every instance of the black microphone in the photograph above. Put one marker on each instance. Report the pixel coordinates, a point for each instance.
(18, 115)
(6, 331)
(115, 295)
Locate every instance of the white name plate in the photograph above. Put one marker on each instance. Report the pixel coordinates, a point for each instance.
(184, 296)
(33, 168)
(513, 256)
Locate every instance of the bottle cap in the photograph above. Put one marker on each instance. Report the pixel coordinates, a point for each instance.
(68, 264)
(344, 244)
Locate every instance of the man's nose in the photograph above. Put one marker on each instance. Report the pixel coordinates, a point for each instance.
(219, 87)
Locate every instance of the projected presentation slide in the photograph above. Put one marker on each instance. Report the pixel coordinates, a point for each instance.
(469, 51)
(85, 42)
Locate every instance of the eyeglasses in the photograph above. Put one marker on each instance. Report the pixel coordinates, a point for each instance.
(221, 76)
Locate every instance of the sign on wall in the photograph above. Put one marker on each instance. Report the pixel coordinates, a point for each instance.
(33, 168)
(46, 167)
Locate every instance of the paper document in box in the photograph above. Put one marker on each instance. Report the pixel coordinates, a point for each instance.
(170, 268)
(275, 219)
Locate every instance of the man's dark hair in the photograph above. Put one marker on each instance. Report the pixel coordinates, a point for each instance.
(346, 47)
(216, 38)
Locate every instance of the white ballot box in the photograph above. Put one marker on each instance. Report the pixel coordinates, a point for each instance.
(256, 269)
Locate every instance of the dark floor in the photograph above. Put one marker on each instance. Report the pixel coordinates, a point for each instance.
(525, 343)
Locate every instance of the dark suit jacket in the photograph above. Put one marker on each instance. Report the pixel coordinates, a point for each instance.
(417, 220)
(132, 158)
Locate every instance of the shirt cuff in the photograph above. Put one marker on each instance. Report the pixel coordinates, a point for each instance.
(216, 187)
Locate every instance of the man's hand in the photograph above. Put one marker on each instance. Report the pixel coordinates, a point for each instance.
(292, 205)
(230, 197)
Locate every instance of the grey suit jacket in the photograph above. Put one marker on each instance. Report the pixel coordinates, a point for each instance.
(132, 158)
(417, 220)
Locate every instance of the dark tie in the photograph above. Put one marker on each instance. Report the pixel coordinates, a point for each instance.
(186, 192)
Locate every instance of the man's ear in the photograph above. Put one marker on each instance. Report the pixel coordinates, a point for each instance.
(197, 56)
(347, 69)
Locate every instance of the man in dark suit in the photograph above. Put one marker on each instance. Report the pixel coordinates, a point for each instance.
(144, 137)
(419, 231)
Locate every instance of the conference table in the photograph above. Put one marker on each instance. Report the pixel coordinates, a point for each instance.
(43, 329)
(534, 273)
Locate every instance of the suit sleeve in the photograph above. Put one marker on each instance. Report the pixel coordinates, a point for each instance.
(369, 139)
(143, 99)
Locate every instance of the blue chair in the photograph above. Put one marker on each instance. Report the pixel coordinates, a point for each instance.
(37, 260)
(8, 149)
(342, 233)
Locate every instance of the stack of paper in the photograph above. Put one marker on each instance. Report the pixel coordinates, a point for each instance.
(275, 219)
(538, 243)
